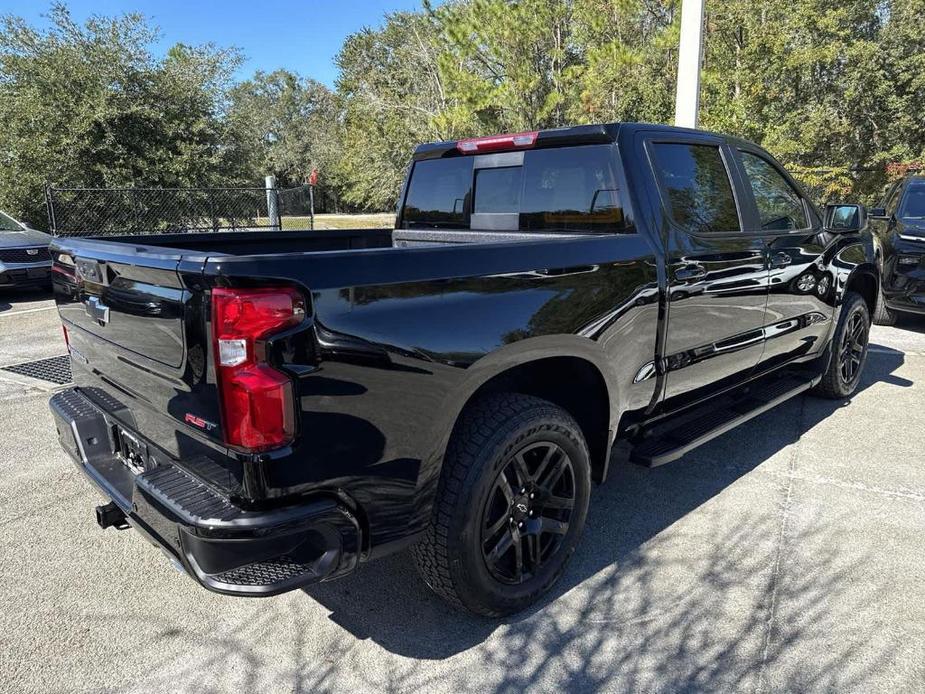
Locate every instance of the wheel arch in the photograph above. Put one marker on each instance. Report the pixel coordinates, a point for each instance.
(576, 382)
(865, 280)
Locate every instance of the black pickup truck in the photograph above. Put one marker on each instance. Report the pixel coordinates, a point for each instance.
(273, 409)
(899, 238)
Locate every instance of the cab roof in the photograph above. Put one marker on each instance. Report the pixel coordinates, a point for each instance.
(553, 137)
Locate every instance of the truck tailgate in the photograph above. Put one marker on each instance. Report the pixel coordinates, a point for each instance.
(139, 350)
(137, 307)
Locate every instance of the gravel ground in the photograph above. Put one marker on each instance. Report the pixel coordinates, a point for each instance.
(786, 555)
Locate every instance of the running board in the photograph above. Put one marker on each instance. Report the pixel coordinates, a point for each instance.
(671, 443)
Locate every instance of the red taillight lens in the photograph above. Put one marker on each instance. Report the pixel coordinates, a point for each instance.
(494, 143)
(258, 409)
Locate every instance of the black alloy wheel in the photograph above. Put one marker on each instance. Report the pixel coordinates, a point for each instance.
(527, 512)
(853, 347)
(848, 350)
(510, 506)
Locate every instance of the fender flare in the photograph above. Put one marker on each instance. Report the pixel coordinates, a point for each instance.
(509, 357)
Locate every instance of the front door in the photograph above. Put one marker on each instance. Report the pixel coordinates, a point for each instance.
(717, 274)
(801, 289)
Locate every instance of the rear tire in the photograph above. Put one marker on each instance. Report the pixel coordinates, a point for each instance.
(849, 350)
(882, 314)
(510, 506)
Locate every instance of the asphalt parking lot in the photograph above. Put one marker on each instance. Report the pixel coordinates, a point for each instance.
(788, 555)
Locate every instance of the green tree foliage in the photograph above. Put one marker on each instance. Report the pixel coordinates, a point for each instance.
(283, 124)
(814, 82)
(394, 97)
(834, 88)
(89, 105)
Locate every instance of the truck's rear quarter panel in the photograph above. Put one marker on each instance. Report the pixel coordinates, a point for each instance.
(404, 337)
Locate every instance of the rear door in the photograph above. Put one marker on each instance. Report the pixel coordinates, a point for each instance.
(801, 287)
(717, 274)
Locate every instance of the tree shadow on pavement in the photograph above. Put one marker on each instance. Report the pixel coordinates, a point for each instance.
(701, 575)
(640, 607)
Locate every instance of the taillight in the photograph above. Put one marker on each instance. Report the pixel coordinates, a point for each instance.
(258, 409)
(494, 143)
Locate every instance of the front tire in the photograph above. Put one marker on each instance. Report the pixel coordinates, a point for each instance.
(510, 506)
(849, 350)
(882, 314)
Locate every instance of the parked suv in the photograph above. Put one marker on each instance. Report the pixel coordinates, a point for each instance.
(24, 257)
(274, 408)
(899, 228)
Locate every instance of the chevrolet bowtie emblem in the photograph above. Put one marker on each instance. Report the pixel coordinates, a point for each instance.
(97, 310)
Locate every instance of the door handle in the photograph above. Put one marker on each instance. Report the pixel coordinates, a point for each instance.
(779, 260)
(690, 271)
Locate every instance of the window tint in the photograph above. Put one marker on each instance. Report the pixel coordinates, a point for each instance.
(571, 189)
(497, 190)
(695, 181)
(913, 206)
(780, 207)
(563, 189)
(437, 193)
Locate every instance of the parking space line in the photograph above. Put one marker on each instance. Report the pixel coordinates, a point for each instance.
(28, 310)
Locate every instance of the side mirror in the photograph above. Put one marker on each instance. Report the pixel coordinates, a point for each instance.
(841, 219)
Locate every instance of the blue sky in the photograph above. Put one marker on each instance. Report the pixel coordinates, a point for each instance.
(298, 35)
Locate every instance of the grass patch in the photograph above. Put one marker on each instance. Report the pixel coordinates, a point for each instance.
(385, 220)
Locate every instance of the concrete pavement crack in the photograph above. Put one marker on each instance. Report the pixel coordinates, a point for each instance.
(783, 525)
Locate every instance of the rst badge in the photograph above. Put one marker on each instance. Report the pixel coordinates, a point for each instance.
(198, 422)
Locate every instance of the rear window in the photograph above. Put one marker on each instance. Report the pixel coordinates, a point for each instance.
(438, 193)
(497, 190)
(567, 189)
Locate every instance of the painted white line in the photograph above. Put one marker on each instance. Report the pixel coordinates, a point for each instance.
(28, 310)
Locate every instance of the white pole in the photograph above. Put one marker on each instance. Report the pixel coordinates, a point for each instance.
(272, 203)
(687, 98)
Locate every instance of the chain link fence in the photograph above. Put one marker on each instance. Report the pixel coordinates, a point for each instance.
(139, 211)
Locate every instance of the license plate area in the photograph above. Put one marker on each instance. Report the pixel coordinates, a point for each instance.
(130, 450)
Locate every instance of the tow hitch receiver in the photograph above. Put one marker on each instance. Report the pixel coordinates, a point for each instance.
(111, 516)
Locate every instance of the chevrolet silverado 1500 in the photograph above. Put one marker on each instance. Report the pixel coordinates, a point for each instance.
(273, 409)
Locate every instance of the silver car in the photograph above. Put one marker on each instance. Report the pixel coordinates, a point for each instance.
(24, 257)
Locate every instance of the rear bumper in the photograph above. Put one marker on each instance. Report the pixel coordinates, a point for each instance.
(225, 548)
